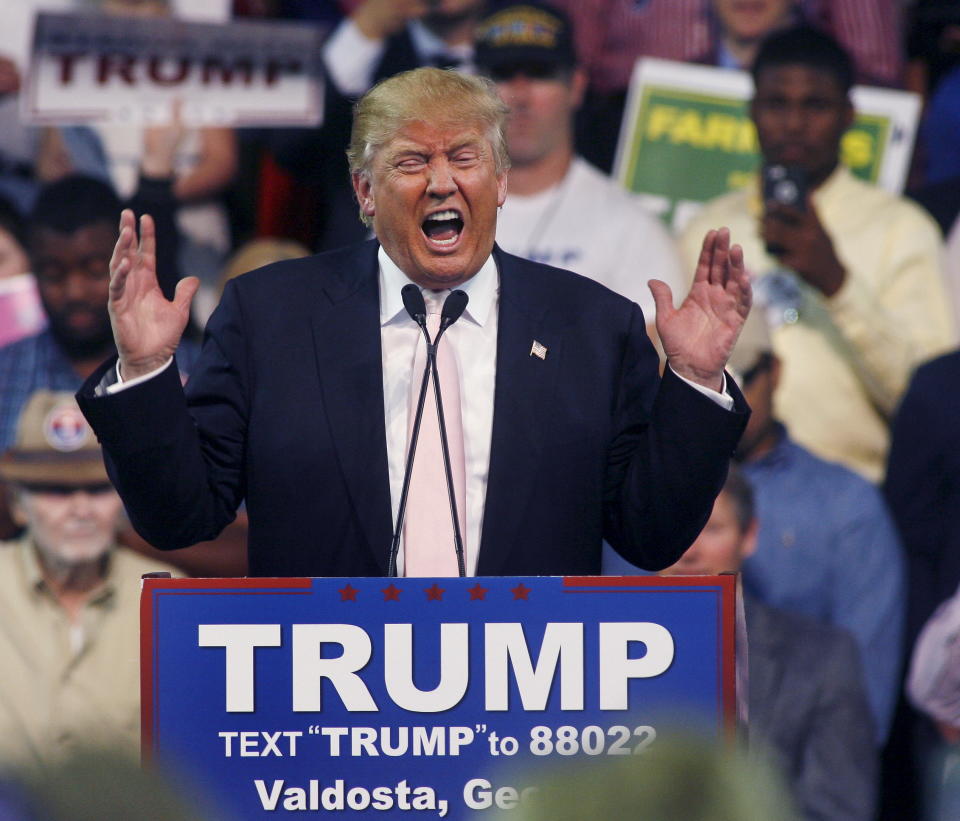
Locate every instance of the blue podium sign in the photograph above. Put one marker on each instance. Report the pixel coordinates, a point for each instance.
(440, 696)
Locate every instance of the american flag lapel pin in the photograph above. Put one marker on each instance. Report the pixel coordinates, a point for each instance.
(538, 350)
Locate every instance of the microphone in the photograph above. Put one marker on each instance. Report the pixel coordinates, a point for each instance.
(413, 301)
(453, 307)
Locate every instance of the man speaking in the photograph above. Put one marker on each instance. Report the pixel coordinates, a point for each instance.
(559, 430)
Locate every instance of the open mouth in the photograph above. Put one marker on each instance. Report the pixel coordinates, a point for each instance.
(81, 319)
(443, 228)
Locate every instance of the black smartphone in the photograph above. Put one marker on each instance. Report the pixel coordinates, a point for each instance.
(783, 185)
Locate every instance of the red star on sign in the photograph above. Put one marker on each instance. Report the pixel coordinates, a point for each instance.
(348, 593)
(435, 593)
(520, 592)
(478, 592)
(391, 593)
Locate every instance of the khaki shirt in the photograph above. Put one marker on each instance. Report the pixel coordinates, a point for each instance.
(62, 685)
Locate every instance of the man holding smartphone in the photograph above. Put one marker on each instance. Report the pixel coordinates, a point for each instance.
(848, 274)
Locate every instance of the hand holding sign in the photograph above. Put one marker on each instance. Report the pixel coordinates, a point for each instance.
(377, 19)
(146, 326)
(161, 143)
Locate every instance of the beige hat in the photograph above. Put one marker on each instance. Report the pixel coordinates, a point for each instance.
(54, 446)
(754, 341)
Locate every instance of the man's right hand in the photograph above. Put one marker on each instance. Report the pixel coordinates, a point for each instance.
(146, 326)
(379, 19)
(799, 240)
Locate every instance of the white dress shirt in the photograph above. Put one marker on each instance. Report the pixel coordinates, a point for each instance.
(473, 339)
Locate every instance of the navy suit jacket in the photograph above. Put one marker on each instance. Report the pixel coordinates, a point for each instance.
(923, 486)
(285, 410)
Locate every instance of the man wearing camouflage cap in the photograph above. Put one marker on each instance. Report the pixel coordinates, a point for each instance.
(69, 597)
(561, 210)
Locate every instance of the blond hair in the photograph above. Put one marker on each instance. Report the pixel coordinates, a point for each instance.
(425, 95)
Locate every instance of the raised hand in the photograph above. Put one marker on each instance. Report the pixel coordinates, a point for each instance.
(698, 336)
(146, 326)
(377, 19)
(161, 143)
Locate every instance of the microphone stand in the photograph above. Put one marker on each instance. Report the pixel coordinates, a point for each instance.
(453, 307)
(417, 309)
(446, 322)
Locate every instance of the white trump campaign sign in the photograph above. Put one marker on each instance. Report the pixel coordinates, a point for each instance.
(98, 69)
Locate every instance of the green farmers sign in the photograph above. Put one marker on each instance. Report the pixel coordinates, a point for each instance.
(687, 136)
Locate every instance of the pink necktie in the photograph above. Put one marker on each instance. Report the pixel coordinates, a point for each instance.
(428, 529)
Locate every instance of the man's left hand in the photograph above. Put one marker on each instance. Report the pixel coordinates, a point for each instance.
(798, 239)
(698, 336)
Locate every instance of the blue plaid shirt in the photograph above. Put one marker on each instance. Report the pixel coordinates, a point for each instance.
(827, 549)
(38, 363)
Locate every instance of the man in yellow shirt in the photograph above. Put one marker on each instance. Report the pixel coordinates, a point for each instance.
(849, 276)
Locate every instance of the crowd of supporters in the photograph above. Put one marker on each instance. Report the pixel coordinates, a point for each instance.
(844, 515)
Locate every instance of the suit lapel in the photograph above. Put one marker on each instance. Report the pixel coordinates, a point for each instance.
(346, 335)
(522, 399)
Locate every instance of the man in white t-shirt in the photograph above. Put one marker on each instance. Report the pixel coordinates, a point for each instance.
(561, 210)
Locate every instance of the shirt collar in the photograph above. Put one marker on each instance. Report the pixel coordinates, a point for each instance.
(782, 450)
(481, 288)
(33, 574)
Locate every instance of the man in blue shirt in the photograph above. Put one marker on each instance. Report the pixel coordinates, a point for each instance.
(827, 547)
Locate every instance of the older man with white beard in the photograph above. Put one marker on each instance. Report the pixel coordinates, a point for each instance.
(69, 597)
